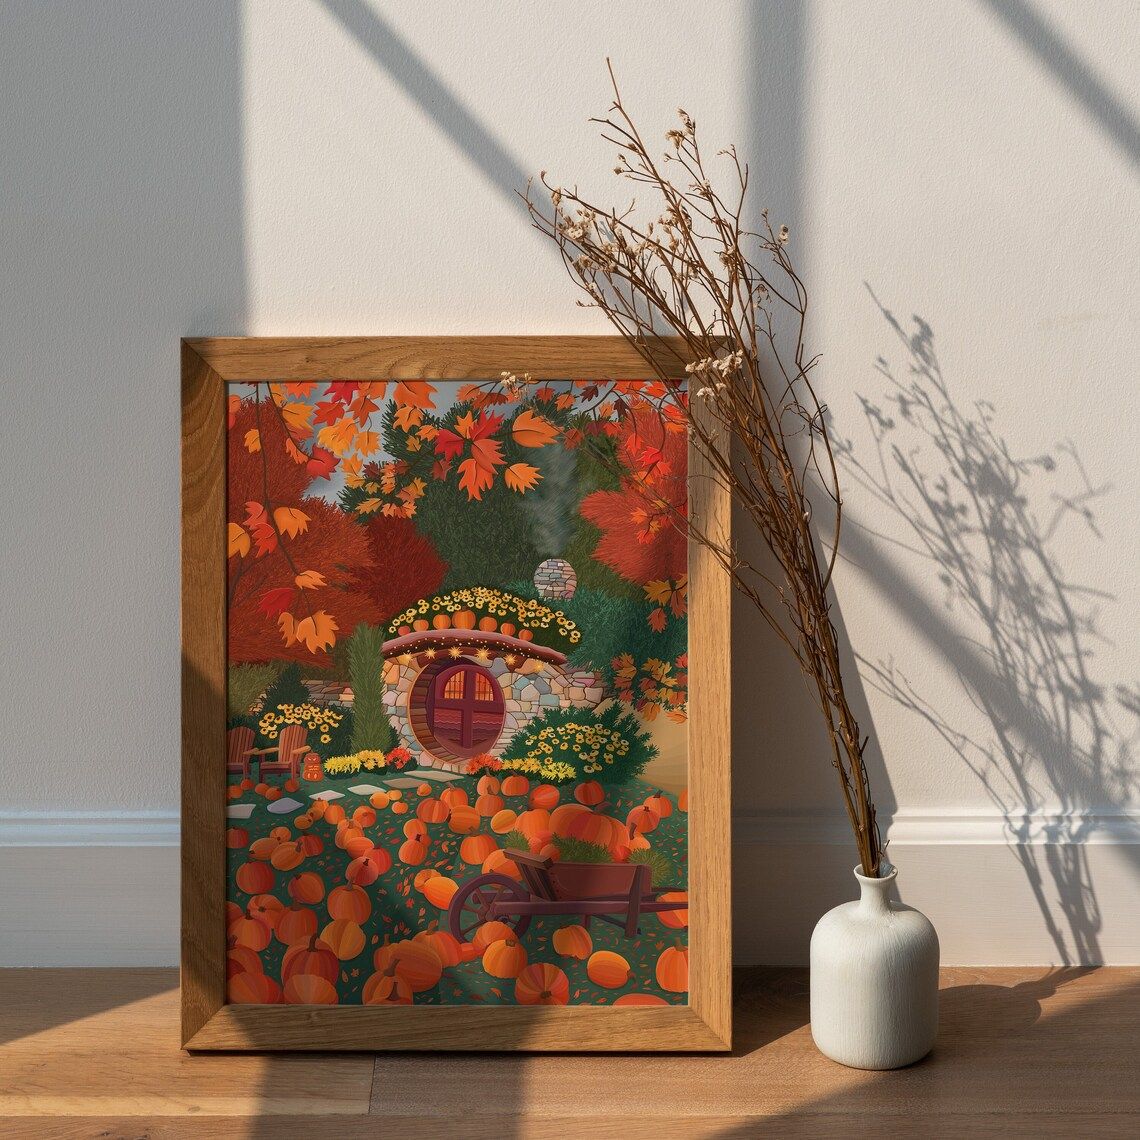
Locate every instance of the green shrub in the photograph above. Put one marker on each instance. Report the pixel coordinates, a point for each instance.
(662, 872)
(245, 683)
(517, 840)
(566, 745)
(572, 850)
(371, 729)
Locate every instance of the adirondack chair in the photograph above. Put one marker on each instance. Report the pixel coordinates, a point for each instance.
(291, 746)
(239, 747)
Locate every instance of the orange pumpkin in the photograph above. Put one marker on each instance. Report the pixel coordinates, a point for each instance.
(334, 813)
(544, 796)
(542, 984)
(441, 621)
(413, 851)
(384, 988)
(295, 924)
(286, 856)
(489, 805)
(464, 619)
(310, 989)
(233, 912)
(318, 809)
(500, 863)
(268, 908)
(607, 969)
(250, 932)
(311, 845)
(252, 989)
(493, 931)
(311, 957)
(417, 964)
(488, 624)
(368, 868)
(590, 792)
(515, 785)
(292, 785)
(659, 802)
(643, 819)
(507, 628)
(379, 800)
(350, 902)
(246, 785)
(307, 887)
(533, 823)
(640, 999)
(344, 937)
(281, 834)
(594, 826)
(420, 624)
(273, 794)
(395, 794)
(683, 799)
(503, 821)
(414, 829)
(454, 797)
(423, 790)
(255, 878)
(673, 969)
(399, 808)
(423, 876)
(488, 785)
(563, 815)
(432, 811)
(303, 822)
(438, 890)
(241, 960)
(236, 837)
(446, 945)
(526, 635)
(233, 792)
(505, 958)
(260, 788)
(364, 816)
(677, 919)
(263, 848)
(345, 832)
(573, 942)
(358, 846)
(463, 819)
(476, 848)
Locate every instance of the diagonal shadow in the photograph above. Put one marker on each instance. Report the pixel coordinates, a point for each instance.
(1078, 78)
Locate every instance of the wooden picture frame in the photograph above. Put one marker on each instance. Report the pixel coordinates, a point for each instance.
(208, 1022)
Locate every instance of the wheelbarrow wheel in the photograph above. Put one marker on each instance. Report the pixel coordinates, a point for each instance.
(472, 904)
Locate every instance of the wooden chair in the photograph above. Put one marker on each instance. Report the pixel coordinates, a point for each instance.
(291, 746)
(239, 748)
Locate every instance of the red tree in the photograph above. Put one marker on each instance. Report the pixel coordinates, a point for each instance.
(406, 565)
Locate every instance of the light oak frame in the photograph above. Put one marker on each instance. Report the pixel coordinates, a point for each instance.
(208, 1022)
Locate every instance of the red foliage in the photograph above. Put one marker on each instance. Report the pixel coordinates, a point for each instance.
(408, 566)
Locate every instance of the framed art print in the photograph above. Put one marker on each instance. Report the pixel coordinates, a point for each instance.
(455, 700)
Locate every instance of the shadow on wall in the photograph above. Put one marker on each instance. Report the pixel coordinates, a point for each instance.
(1022, 634)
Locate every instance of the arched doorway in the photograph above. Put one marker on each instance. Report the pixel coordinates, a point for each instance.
(457, 709)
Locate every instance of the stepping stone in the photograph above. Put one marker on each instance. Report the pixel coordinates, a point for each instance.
(281, 806)
(327, 796)
(239, 811)
(432, 774)
(364, 789)
(403, 782)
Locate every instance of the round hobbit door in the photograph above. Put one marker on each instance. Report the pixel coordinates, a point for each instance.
(465, 709)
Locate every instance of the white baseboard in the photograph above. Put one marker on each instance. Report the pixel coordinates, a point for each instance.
(76, 890)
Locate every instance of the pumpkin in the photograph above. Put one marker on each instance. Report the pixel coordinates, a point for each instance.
(515, 786)
(395, 794)
(246, 785)
(413, 851)
(384, 988)
(311, 845)
(476, 848)
(310, 989)
(493, 931)
(416, 964)
(233, 912)
(423, 790)
(659, 802)
(500, 863)
(346, 832)
(441, 621)
(295, 924)
(533, 823)
(683, 799)
(350, 902)
(464, 619)
(263, 848)
(318, 809)
(286, 856)
(573, 942)
(540, 840)
(640, 999)
(281, 834)
(399, 808)
(488, 786)
(242, 960)
(673, 969)
(368, 868)
(544, 796)
(431, 811)
(589, 793)
(233, 792)
(562, 816)
(311, 957)
(643, 819)
(250, 932)
(303, 822)
(423, 876)
(463, 819)
(439, 889)
(268, 908)
(364, 816)
(488, 805)
(542, 984)
(260, 788)
(420, 624)
(526, 635)
(236, 837)
(677, 919)
(446, 946)
(273, 794)
(505, 958)
(607, 969)
(334, 813)
(344, 938)
(252, 989)
(358, 846)
(255, 878)
(503, 821)
(595, 826)
(468, 952)
(508, 628)
(378, 800)
(549, 851)
(414, 829)
(454, 797)
(292, 785)
(307, 887)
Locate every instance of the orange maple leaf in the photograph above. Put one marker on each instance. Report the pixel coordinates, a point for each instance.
(530, 430)
(521, 477)
(317, 632)
(414, 394)
(408, 417)
(237, 541)
(291, 521)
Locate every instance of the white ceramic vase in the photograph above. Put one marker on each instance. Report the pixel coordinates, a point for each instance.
(874, 980)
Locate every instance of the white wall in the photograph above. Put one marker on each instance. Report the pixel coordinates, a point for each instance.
(336, 166)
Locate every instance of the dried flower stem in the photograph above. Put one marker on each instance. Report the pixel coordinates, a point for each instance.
(685, 288)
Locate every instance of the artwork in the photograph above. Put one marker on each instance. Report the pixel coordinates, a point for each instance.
(457, 744)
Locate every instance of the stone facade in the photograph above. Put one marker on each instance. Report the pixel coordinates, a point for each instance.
(555, 580)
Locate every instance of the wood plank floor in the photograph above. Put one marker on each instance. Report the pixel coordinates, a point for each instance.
(1021, 1053)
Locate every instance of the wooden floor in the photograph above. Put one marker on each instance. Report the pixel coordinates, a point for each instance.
(1021, 1053)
